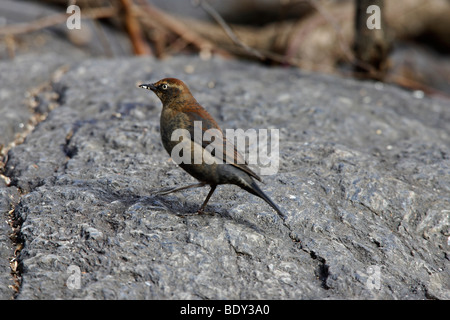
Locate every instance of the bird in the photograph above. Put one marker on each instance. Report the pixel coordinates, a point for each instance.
(180, 110)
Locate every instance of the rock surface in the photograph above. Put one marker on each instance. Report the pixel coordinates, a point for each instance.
(364, 180)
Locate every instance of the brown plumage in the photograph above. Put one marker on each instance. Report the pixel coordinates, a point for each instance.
(180, 111)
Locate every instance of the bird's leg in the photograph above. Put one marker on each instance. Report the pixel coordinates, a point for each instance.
(213, 187)
(170, 190)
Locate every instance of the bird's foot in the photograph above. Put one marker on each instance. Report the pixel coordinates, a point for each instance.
(202, 211)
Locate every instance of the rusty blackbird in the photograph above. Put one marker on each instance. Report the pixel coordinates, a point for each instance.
(181, 111)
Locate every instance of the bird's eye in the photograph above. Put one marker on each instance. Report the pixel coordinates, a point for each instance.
(164, 86)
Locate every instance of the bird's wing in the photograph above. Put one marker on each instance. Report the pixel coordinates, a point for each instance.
(212, 138)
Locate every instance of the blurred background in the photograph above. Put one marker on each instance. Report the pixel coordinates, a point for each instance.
(411, 48)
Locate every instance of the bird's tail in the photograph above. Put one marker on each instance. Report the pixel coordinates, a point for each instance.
(254, 189)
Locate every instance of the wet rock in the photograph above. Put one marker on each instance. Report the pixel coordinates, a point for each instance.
(364, 179)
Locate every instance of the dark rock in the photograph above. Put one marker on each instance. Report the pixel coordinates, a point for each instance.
(364, 180)
(8, 198)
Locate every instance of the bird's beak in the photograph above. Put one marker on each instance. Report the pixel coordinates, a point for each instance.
(148, 86)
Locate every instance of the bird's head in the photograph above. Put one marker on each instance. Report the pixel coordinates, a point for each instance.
(168, 90)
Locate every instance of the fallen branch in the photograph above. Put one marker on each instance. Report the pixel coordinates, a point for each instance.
(148, 11)
(319, 41)
(53, 20)
(211, 11)
(134, 29)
